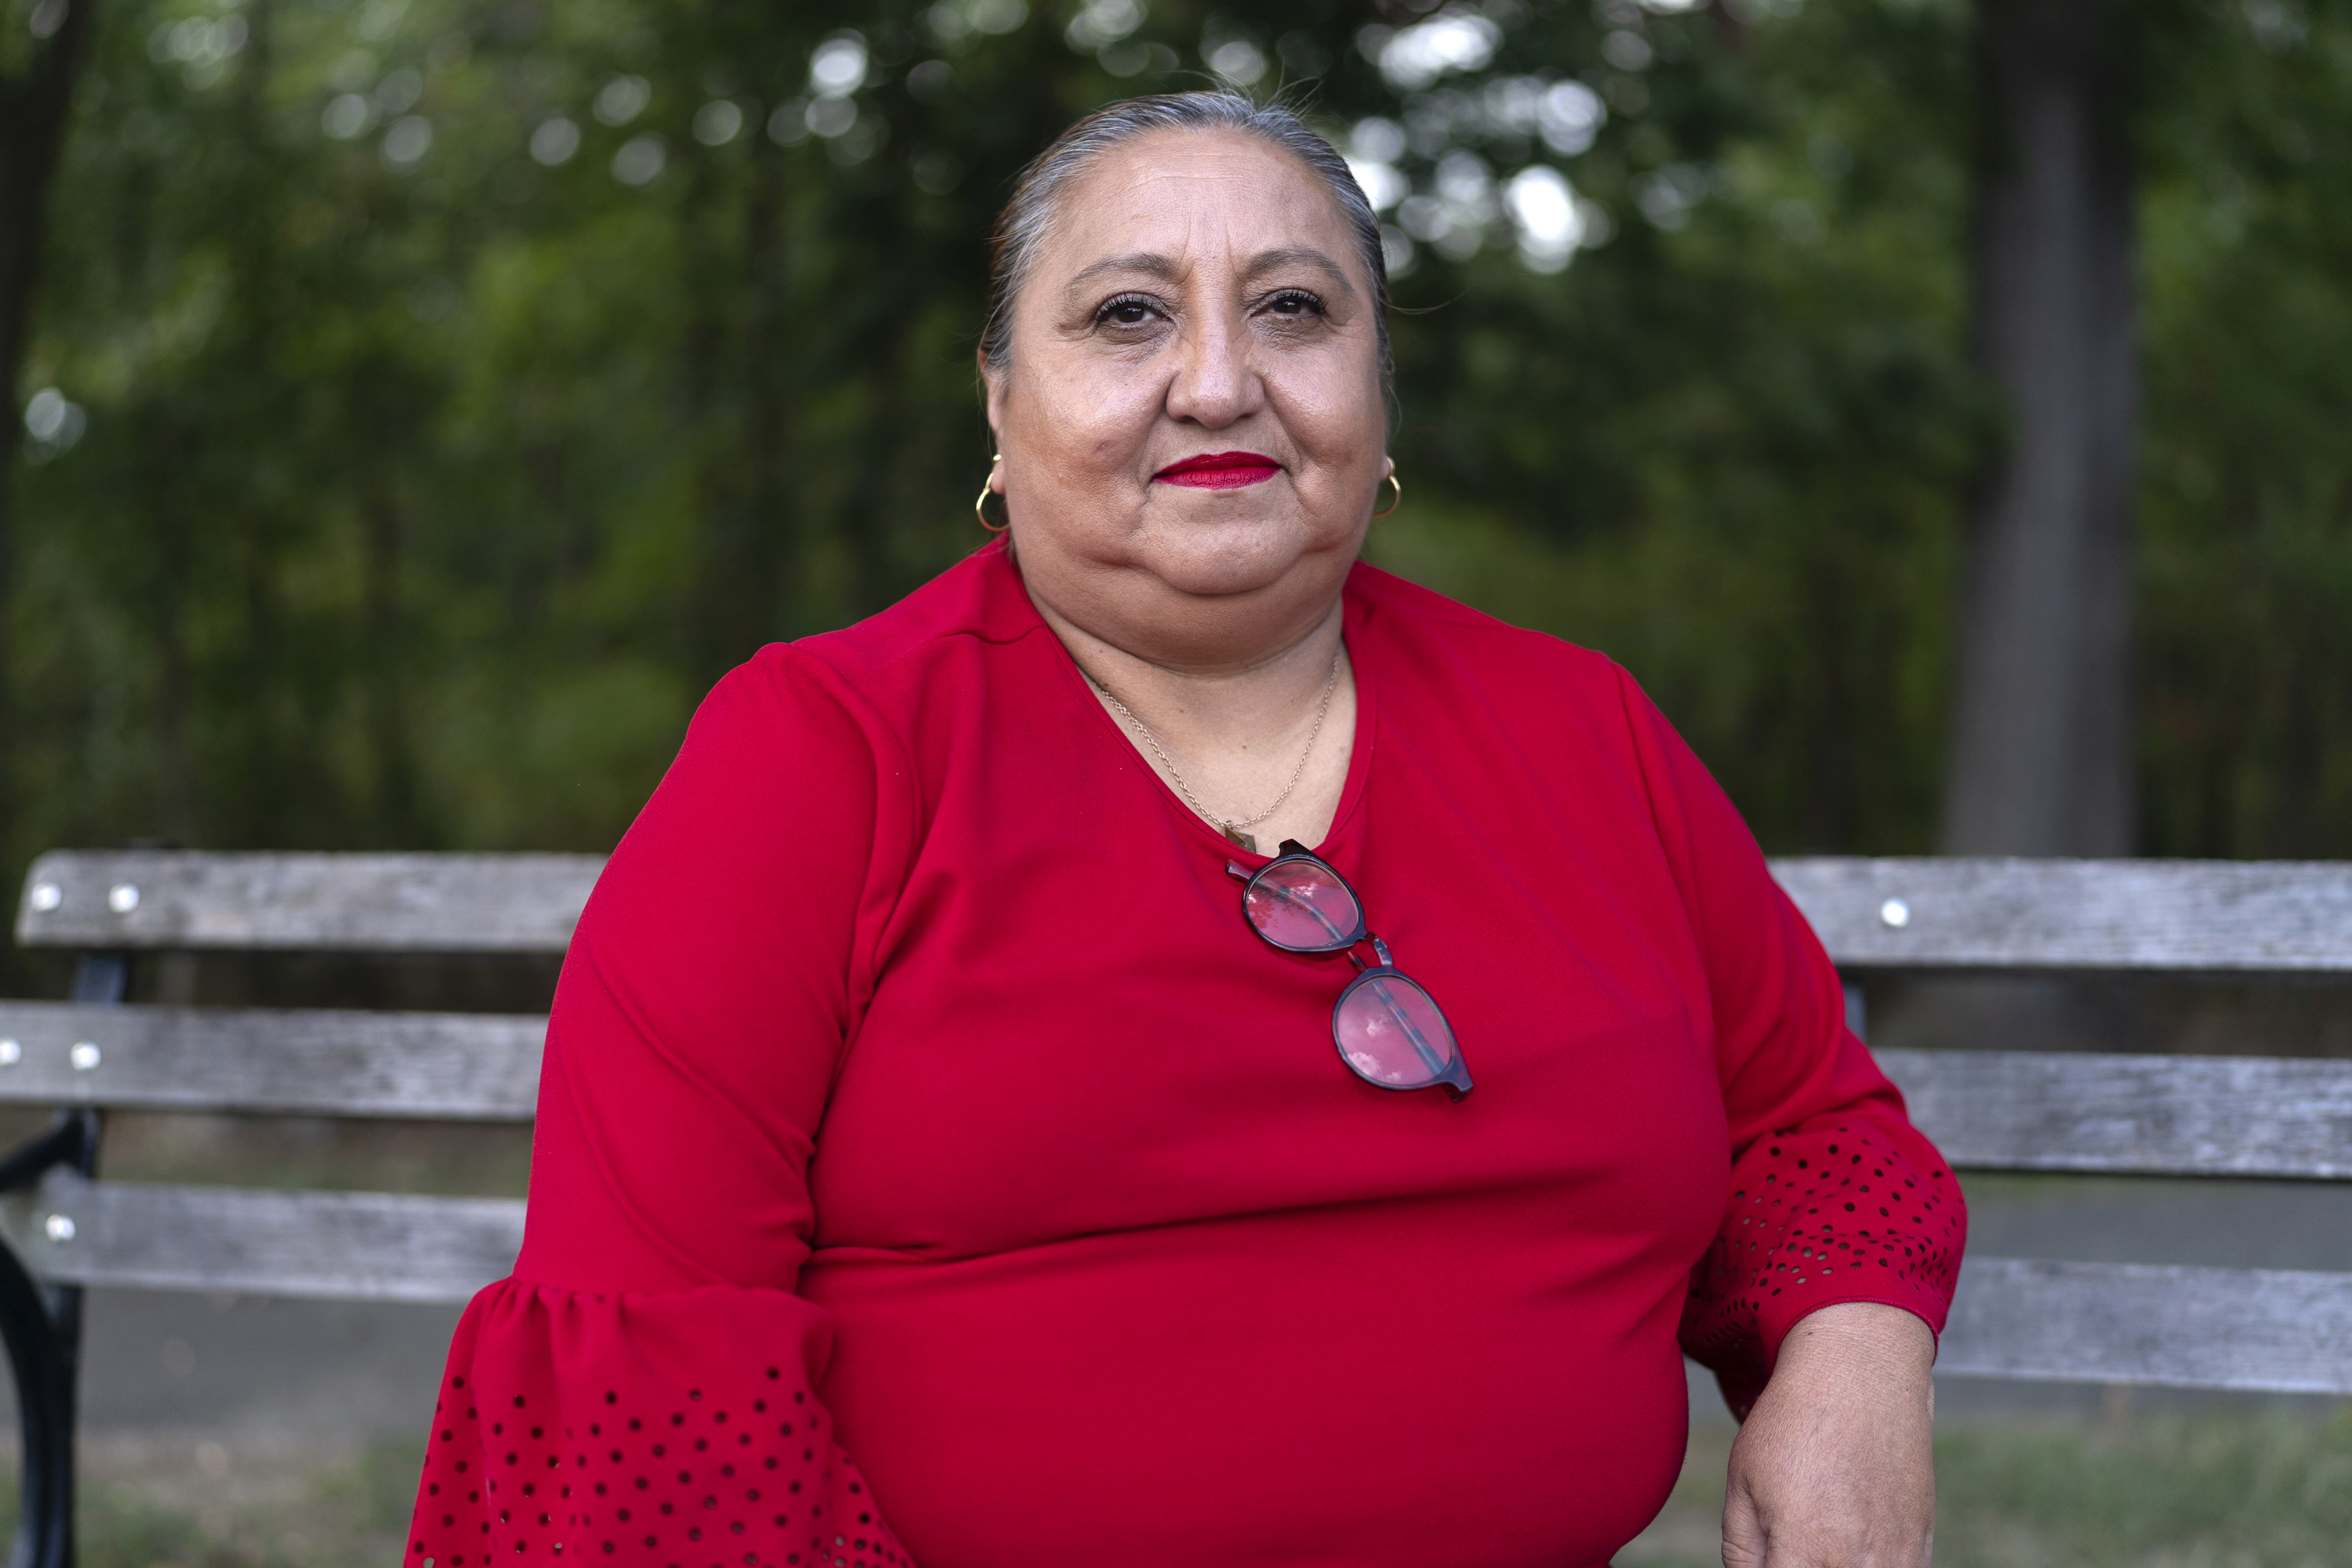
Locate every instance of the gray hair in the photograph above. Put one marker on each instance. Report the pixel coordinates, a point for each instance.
(1021, 226)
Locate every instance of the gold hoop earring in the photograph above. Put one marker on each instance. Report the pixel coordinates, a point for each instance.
(979, 507)
(1397, 485)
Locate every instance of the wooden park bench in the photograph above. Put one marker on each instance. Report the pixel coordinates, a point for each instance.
(1989, 1110)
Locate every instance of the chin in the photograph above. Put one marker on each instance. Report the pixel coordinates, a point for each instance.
(1224, 559)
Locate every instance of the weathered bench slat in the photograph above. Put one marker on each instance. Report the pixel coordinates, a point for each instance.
(2202, 1328)
(381, 1247)
(2132, 1322)
(455, 1066)
(2238, 1116)
(2203, 1116)
(384, 903)
(2208, 916)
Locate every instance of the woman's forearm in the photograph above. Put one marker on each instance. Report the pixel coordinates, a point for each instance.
(1835, 1465)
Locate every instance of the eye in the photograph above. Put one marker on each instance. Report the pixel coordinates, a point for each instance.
(1127, 311)
(1295, 305)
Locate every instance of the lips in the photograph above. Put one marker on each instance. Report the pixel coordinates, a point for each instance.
(1219, 470)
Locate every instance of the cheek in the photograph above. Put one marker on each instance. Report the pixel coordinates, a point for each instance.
(1340, 427)
(1330, 404)
(1088, 419)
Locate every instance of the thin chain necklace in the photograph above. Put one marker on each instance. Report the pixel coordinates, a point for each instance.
(1231, 829)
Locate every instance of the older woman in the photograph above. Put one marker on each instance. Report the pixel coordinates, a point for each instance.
(965, 1064)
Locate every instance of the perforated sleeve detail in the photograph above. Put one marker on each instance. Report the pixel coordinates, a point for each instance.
(1829, 1212)
(562, 1436)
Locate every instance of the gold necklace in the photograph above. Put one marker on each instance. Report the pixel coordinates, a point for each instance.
(1231, 827)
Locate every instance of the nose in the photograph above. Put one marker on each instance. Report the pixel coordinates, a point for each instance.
(1214, 384)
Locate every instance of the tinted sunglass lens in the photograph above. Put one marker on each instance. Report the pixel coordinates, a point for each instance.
(1301, 906)
(1392, 1034)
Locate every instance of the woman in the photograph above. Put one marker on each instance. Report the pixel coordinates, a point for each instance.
(925, 1086)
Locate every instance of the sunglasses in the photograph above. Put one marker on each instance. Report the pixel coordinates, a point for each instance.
(1388, 1030)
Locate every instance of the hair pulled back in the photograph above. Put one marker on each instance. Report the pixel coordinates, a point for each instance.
(1022, 227)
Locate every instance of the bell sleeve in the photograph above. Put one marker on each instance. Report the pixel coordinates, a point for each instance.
(641, 1389)
(1834, 1197)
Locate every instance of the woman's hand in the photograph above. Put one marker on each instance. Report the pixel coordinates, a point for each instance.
(1834, 1467)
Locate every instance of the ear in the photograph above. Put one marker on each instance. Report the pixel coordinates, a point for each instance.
(992, 392)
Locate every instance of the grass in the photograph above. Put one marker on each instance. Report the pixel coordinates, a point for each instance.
(2158, 1491)
(192, 1507)
(2169, 1493)
(2230, 1490)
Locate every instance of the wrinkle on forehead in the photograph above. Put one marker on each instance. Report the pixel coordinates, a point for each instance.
(1169, 270)
(1231, 218)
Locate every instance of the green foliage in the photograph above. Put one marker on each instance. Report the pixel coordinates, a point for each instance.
(428, 479)
(2246, 510)
(1747, 418)
(258, 1511)
(2172, 1491)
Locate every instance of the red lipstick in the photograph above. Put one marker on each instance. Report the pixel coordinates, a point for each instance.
(1219, 470)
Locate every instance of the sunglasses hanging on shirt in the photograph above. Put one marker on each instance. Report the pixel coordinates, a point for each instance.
(1388, 1031)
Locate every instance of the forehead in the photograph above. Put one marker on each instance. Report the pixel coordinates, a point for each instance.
(1197, 197)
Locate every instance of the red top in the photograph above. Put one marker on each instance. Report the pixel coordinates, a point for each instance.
(916, 1091)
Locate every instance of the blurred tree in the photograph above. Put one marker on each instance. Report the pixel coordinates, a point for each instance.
(41, 49)
(2245, 598)
(2042, 745)
(467, 383)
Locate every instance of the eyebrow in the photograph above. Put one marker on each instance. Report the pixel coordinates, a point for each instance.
(1165, 268)
(1161, 267)
(1297, 256)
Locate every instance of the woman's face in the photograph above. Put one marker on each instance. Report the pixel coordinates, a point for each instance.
(1198, 296)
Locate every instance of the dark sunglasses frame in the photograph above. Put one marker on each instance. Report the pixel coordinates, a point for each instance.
(1456, 1078)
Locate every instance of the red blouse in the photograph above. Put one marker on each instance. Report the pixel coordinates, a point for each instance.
(916, 1091)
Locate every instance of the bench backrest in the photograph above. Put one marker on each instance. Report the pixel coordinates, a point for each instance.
(1988, 1109)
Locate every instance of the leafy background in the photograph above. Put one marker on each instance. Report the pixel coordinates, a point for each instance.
(429, 397)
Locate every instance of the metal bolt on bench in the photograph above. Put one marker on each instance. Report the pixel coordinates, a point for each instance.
(1989, 1110)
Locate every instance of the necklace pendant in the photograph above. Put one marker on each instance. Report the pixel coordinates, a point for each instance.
(1245, 841)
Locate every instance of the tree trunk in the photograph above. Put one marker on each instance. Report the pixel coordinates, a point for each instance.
(34, 103)
(2042, 743)
(2042, 738)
